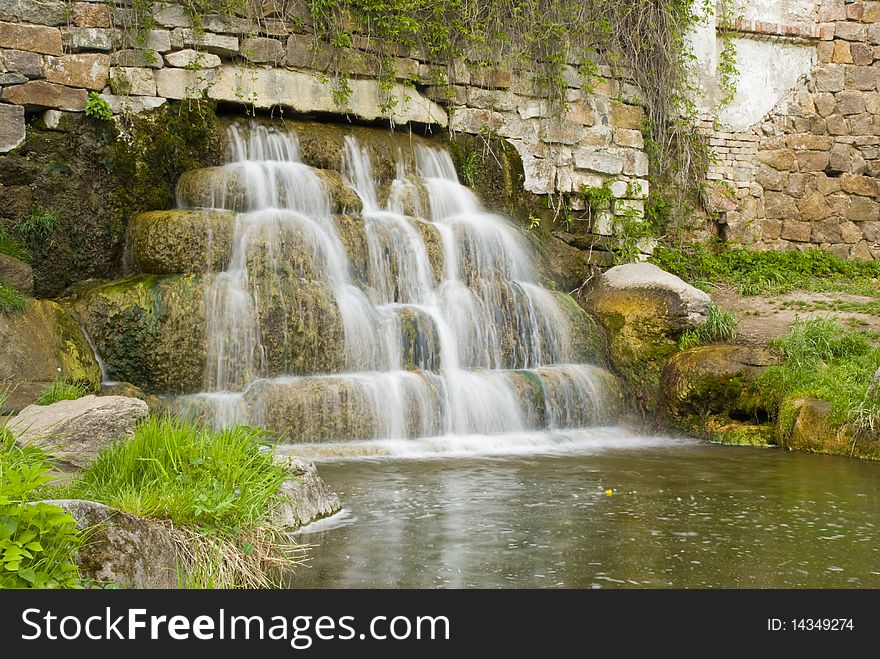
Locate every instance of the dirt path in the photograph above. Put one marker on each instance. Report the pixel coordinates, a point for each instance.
(763, 318)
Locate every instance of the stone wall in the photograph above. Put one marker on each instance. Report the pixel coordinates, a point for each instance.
(54, 53)
(798, 146)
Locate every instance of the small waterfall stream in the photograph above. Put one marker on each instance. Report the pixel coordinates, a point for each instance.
(474, 346)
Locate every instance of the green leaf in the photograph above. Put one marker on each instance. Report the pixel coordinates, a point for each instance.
(28, 575)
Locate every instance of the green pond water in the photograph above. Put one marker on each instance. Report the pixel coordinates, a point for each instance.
(681, 514)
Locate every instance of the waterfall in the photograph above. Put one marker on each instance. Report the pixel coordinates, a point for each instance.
(447, 329)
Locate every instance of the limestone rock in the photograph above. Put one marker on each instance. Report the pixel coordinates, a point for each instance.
(262, 50)
(91, 14)
(309, 92)
(33, 38)
(123, 549)
(42, 12)
(151, 330)
(12, 131)
(126, 389)
(811, 430)
(85, 70)
(91, 38)
(16, 274)
(306, 498)
(196, 189)
(192, 59)
(75, 431)
(137, 57)
(41, 95)
(177, 241)
(711, 381)
(42, 343)
(644, 310)
(30, 65)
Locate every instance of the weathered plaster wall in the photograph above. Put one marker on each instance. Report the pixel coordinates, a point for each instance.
(799, 143)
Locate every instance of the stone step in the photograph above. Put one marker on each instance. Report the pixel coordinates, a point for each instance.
(227, 187)
(200, 240)
(152, 331)
(413, 404)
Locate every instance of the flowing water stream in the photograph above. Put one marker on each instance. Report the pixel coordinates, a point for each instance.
(460, 411)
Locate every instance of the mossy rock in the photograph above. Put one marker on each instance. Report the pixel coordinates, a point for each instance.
(712, 382)
(151, 331)
(43, 343)
(93, 177)
(744, 434)
(643, 311)
(179, 241)
(804, 425)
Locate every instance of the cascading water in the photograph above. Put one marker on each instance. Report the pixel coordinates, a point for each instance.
(469, 348)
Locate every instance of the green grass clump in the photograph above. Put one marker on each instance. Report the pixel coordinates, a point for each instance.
(720, 325)
(61, 390)
(37, 540)
(820, 340)
(11, 247)
(11, 300)
(823, 358)
(756, 273)
(223, 481)
(39, 224)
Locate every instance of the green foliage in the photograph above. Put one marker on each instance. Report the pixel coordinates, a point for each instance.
(758, 273)
(825, 359)
(597, 199)
(720, 325)
(61, 390)
(39, 224)
(98, 108)
(820, 340)
(11, 247)
(11, 300)
(223, 481)
(37, 540)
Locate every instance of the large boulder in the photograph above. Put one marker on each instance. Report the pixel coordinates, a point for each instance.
(43, 343)
(306, 498)
(713, 381)
(804, 425)
(16, 274)
(644, 311)
(74, 431)
(123, 549)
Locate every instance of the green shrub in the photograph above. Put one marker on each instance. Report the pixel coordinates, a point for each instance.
(10, 299)
(61, 390)
(37, 540)
(11, 247)
(39, 224)
(223, 481)
(720, 325)
(756, 273)
(98, 108)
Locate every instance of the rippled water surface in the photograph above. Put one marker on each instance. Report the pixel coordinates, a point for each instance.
(679, 513)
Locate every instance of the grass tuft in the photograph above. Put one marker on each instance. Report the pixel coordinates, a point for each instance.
(822, 340)
(720, 325)
(758, 273)
(224, 481)
(61, 390)
(11, 300)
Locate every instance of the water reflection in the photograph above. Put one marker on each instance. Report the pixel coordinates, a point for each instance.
(684, 515)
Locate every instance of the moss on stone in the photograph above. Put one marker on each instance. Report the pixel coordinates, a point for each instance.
(744, 434)
(42, 343)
